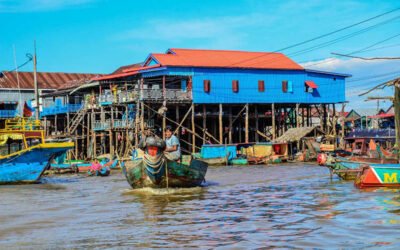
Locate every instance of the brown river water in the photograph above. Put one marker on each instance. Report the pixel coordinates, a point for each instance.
(287, 206)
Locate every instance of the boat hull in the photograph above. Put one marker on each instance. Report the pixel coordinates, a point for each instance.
(179, 175)
(29, 165)
(378, 176)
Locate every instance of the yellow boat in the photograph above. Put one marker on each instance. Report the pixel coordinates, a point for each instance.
(24, 153)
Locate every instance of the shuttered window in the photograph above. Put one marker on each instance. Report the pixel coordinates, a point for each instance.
(284, 86)
(235, 86)
(261, 86)
(207, 86)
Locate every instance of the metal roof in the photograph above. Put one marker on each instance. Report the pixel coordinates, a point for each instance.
(46, 80)
(225, 59)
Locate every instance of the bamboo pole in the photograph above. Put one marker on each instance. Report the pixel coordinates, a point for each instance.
(221, 132)
(230, 125)
(273, 121)
(246, 124)
(164, 122)
(194, 131)
(204, 123)
(256, 122)
(297, 115)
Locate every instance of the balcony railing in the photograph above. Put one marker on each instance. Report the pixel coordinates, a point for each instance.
(99, 125)
(63, 109)
(123, 124)
(8, 113)
(170, 95)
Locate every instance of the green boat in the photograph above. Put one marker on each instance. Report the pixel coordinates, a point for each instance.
(156, 171)
(239, 161)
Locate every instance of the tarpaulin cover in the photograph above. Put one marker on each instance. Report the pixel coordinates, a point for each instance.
(258, 150)
(217, 151)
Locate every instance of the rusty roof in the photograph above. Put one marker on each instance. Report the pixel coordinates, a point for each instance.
(46, 80)
(125, 67)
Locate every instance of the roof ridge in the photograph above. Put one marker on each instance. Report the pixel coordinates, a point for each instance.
(224, 50)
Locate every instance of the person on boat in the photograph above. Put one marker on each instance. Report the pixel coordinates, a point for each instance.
(95, 167)
(173, 148)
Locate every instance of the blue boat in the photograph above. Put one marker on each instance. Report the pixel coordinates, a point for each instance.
(348, 170)
(24, 153)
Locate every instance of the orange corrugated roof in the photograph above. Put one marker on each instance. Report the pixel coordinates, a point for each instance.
(225, 59)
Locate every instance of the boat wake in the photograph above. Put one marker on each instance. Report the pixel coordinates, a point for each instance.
(163, 191)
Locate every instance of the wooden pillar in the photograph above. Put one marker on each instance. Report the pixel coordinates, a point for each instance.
(221, 135)
(302, 117)
(193, 131)
(230, 125)
(324, 118)
(111, 134)
(177, 114)
(246, 124)
(204, 123)
(342, 145)
(297, 115)
(273, 121)
(164, 120)
(88, 136)
(55, 124)
(256, 122)
(396, 105)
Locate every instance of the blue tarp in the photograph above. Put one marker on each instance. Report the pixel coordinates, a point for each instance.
(217, 151)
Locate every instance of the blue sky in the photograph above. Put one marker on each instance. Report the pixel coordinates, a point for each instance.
(97, 36)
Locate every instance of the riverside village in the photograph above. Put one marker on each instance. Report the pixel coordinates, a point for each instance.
(189, 144)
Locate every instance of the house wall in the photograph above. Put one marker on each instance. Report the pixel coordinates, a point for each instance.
(331, 87)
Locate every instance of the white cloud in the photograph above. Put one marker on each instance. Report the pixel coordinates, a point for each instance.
(218, 32)
(10, 6)
(365, 75)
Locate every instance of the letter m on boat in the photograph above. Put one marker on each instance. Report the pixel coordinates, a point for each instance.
(390, 178)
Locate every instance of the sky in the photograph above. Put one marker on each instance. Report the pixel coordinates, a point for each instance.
(98, 36)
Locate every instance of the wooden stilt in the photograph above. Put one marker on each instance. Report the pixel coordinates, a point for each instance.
(220, 125)
(297, 115)
(164, 121)
(246, 124)
(256, 122)
(230, 125)
(204, 123)
(194, 131)
(273, 125)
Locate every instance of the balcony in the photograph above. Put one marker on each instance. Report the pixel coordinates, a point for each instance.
(8, 113)
(172, 95)
(118, 124)
(62, 109)
(99, 125)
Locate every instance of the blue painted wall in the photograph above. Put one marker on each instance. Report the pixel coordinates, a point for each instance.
(331, 87)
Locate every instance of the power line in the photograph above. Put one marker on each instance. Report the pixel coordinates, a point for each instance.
(321, 36)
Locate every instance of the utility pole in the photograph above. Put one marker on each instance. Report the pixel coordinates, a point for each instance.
(35, 82)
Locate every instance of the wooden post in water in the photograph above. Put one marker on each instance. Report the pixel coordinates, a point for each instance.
(256, 122)
(246, 124)
(273, 121)
(396, 105)
(164, 121)
(230, 125)
(220, 125)
(193, 131)
(297, 115)
(342, 145)
(204, 123)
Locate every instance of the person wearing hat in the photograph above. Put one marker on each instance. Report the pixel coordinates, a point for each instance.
(173, 150)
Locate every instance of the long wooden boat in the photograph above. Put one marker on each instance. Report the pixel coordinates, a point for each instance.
(156, 171)
(27, 163)
(372, 160)
(348, 170)
(378, 176)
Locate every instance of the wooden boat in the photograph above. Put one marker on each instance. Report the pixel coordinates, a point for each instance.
(378, 176)
(239, 161)
(31, 154)
(156, 171)
(216, 155)
(348, 170)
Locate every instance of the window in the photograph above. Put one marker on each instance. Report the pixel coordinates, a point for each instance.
(235, 86)
(261, 86)
(284, 86)
(207, 86)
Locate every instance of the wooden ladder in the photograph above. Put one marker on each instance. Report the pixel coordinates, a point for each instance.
(76, 120)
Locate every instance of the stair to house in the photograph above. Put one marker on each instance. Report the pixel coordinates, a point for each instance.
(76, 120)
